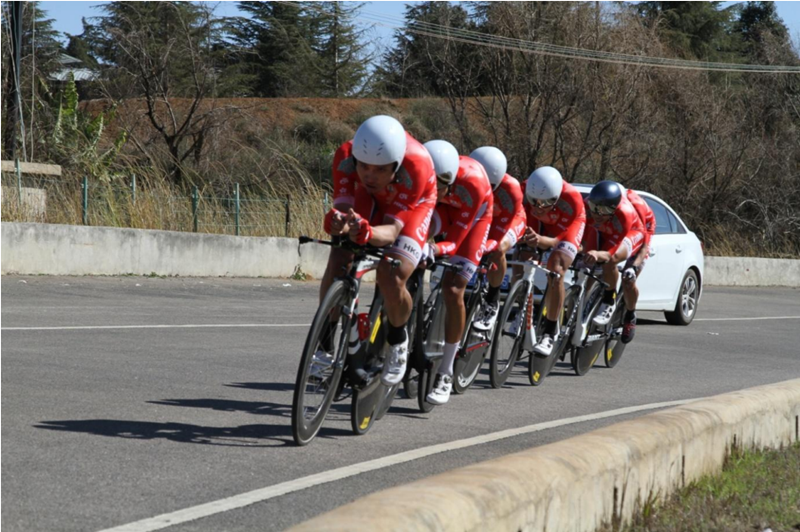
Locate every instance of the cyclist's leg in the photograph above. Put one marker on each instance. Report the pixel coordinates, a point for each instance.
(630, 291)
(559, 262)
(468, 255)
(619, 254)
(392, 282)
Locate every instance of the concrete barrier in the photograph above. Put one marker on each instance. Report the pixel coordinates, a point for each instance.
(31, 248)
(51, 249)
(579, 484)
(750, 271)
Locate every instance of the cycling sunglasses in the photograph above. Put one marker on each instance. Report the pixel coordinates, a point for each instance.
(602, 210)
(444, 180)
(544, 203)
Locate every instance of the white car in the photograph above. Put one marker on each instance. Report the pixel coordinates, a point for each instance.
(672, 279)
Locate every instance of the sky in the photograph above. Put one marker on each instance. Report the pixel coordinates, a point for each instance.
(67, 16)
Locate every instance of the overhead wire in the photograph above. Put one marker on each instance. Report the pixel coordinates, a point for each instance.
(509, 43)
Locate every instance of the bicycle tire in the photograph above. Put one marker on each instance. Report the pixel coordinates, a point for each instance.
(417, 321)
(614, 348)
(303, 430)
(426, 380)
(584, 358)
(429, 366)
(539, 367)
(500, 369)
(367, 399)
(467, 366)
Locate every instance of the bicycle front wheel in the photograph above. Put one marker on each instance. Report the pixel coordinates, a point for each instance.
(317, 380)
(472, 352)
(508, 335)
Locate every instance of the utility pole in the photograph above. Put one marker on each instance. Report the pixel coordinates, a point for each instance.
(14, 102)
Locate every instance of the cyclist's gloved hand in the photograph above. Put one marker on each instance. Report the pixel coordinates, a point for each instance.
(629, 274)
(334, 222)
(360, 230)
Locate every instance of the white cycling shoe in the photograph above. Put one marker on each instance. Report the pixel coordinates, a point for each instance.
(545, 346)
(394, 367)
(604, 314)
(487, 315)
(441, 390)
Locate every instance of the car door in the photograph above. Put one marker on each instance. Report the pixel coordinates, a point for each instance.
(665, 269)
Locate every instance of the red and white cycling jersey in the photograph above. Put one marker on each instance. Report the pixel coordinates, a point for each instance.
(408, 200)
(645, 213)
(508, 216)
(565, 222)
(623, 229)
(464, 216)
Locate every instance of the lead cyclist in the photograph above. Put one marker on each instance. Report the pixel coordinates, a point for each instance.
(394, 194)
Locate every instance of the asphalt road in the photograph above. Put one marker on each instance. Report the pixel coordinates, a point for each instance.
(108, 426)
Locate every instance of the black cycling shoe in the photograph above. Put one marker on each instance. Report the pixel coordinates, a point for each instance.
(628, 331)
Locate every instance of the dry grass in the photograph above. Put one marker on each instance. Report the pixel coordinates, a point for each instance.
(755, 491)
(158, 205)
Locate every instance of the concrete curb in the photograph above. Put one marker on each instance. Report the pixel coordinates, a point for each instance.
(583, 482)
(52, 249)
(751, 271)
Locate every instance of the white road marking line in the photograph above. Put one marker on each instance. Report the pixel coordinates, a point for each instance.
(260, 495)
(753, 318)
(189, 326)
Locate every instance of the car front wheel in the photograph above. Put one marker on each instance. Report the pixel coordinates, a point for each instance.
(686, 306)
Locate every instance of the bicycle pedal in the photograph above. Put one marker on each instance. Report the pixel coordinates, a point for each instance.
(346, 393)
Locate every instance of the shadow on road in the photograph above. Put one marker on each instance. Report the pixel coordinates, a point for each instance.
(242, 436)
(270, 386)
(645, 321)
(250, 407)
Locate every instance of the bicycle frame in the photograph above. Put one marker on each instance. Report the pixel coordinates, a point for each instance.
(530, 267)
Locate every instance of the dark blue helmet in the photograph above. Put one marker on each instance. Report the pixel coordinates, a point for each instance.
(605, 197)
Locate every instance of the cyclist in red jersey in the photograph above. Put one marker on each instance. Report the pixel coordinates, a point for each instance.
(463, 216)
(615, 234)
(556, 220)
(635, 264)
(508, 226)
(393, 201)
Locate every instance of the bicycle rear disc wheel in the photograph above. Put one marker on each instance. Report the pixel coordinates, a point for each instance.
(313, 394)
(507, 340)
(366, 404)
(427, 377)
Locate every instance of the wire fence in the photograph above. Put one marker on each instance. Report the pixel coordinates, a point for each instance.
(233, 212)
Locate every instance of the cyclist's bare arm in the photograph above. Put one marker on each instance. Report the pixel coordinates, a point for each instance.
(384, 235)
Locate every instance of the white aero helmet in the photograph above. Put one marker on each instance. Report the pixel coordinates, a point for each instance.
(445, 160)
(380, 140)
(544, 184)
(493, 161)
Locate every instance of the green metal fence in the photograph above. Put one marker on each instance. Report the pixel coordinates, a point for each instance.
(235, 211)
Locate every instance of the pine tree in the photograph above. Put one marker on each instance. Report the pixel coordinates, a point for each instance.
(277, 48)
(420, 65)
(694, 30)
(39, 59)
(342, 56)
